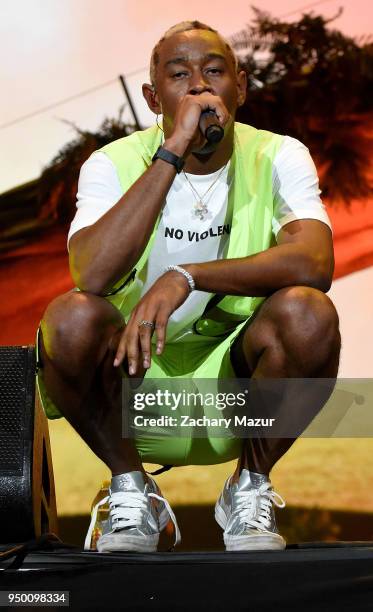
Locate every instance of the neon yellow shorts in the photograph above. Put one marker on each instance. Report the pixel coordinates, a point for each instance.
(207, 358)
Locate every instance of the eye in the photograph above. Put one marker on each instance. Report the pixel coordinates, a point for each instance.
(179, 75)
(214, 70)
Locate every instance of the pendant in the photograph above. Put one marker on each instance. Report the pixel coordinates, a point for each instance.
(200, 210)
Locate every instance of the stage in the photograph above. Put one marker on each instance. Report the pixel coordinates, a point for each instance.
(315, 576)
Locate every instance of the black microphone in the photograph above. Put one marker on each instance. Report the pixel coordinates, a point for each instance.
(210, 127)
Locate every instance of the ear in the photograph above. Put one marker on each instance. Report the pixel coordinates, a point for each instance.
(151, 97)
(241, 87)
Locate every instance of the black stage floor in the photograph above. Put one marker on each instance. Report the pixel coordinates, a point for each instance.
(319, 576)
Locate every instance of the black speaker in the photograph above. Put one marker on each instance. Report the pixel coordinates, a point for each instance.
(27, 494)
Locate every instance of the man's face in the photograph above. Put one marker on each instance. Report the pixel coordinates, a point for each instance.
(193, 62)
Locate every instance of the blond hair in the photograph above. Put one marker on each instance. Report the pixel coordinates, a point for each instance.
(185, 26)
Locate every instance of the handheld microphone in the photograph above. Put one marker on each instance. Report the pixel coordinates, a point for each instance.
(210, 127)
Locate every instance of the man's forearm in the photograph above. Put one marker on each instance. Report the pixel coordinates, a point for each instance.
(107, 250)
(262, 274)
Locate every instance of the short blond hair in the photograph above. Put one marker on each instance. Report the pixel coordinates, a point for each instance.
(185, 26)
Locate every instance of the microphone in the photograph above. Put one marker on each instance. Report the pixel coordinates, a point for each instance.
(210, 127)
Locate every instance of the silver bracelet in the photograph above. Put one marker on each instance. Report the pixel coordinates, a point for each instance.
(189, 277)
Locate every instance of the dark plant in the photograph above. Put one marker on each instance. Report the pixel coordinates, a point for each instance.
(59, 180)
(314, 83)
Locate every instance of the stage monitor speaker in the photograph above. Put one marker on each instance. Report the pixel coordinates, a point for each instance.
(27, 494)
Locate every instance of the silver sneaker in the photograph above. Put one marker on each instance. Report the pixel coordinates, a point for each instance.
(138, 513)
(245, 511)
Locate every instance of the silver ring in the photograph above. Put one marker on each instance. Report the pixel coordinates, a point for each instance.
(147, 324)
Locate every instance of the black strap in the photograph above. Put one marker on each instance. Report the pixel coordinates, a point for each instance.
(128, 279)
(18, 552)
(165, 468)
(214, 301)
(170, 158)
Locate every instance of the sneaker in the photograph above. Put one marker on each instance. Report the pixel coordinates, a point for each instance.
(245, 511)
(137, 515)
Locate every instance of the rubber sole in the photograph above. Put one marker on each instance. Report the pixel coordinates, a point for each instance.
(254, 542)
(126, 542)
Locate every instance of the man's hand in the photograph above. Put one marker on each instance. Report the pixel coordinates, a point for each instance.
(186, 132)
(166, 295)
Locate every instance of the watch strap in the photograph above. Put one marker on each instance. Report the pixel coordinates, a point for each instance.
(171, 158)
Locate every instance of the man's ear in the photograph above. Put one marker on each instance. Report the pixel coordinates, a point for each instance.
(241, 87)
(150, 94)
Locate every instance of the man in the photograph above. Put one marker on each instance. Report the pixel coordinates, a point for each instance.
(237, 219)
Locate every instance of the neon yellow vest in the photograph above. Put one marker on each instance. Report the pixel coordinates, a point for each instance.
(250, 199)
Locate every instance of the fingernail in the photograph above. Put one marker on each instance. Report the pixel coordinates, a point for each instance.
(159, 349)
(131, 369)
(116, 362)
(146, 363)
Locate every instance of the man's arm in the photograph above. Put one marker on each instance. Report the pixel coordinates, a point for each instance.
(303, 256)
(102, 253)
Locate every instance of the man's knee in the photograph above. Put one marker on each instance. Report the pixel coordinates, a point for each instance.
(77, 320)
(303, 314)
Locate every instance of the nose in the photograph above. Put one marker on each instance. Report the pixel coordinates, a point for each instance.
(198, 85)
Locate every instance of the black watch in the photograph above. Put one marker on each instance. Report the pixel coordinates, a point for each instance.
(169, 157)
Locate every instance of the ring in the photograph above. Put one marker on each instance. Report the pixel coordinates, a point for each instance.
(147, 324)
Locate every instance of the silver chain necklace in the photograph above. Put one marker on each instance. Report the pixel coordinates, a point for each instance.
(200, 210)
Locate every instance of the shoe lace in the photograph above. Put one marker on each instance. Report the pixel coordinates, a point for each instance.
(254, 506)
(172, 516)
(126, 509)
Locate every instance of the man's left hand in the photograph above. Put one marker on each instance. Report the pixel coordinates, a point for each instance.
(166, 295)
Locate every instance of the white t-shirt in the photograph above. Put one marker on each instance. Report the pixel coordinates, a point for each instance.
(182, 237)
